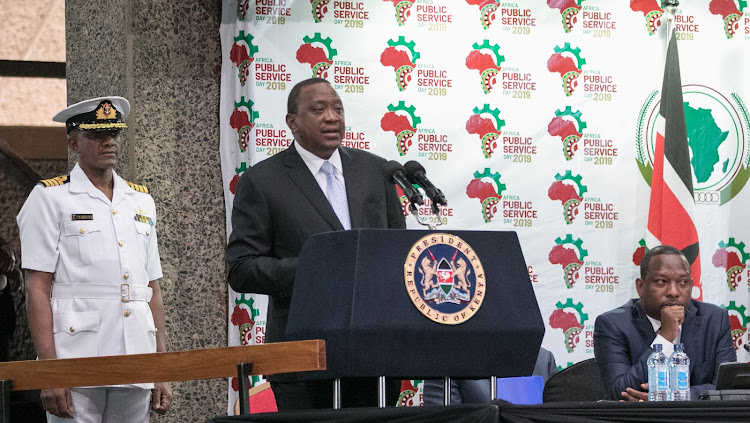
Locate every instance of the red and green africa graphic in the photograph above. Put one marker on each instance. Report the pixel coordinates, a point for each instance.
(242, 319)
(318, 53)
(402, 56)
(730, 12)
(651, 11)
(487, 9)
(487, 188)
(243, 121)
(567, 61)
(570, 259)
(738, 321)
(567, 125)
(486, 59)
(569, 318)
(319, 8)
(242, 54)
(731, 257)
(402, 9)
(568, 190)
(402, 121)
(568, 10)
(487, 128)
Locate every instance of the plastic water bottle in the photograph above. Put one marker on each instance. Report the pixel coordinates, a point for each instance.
(658, 375)
(679, 374)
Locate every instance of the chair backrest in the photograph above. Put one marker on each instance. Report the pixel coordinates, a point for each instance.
(579, 382)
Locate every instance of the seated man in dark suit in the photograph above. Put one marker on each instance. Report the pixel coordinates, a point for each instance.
(314, 186)
(665, 314)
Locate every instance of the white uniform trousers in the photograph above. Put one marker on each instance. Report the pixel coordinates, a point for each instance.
(108, 405)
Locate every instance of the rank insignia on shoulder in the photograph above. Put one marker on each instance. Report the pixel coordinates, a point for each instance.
(64, 179)
(82, 217)
(139, 188)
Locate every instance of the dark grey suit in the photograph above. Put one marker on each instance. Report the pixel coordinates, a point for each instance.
(622, 339)
(278, 205)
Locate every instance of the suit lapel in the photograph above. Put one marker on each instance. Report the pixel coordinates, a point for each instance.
(690, 329)
(352, 176)
(642, 324)
(305, 181)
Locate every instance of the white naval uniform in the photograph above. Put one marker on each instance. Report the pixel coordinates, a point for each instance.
(102, 253)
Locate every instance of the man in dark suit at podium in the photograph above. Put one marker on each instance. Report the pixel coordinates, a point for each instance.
(314, 186)
(664, 314)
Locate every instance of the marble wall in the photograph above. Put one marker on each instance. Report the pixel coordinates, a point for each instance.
(165, 57)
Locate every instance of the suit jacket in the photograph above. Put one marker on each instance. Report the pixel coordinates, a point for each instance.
(623, 337)
(278, 205)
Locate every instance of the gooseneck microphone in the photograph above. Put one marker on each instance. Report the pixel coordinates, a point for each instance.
(417, 175)
(395, 173)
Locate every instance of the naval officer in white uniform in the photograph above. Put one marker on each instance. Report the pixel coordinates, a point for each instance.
(92, 265)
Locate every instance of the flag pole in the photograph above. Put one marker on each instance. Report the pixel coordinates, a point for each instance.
(670, 9)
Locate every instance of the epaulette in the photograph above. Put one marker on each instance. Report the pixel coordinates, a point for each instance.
(64, 179)
(139, 188)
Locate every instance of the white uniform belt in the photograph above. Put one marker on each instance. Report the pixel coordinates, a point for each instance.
(124, 292)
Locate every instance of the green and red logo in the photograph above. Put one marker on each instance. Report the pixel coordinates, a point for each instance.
(651, 11)
(569, 254)
(486, 59)
(568, 10)
(568, 190)
(640, 252)
(567, 61)
(567, 125)
(243, 320)
(569, 318)
(242, 8)
(487, 188)
(731, 11)
(318, 53)
(241, 55)
(402, 8)
(243, 121)
(738, 321)
(238, 171)
(402, 120)
(487, 9)
(731, 257)
(319, 8)
(402, 57)
(487, 125)
(411, 392)
(403, 200)
(717, 129)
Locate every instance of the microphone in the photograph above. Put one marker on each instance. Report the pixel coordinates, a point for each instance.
(394, 173)
(416, 174)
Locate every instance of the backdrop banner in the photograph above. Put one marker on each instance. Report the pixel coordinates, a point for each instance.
(534, 116)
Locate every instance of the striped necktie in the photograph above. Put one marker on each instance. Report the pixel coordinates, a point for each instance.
(337, 195)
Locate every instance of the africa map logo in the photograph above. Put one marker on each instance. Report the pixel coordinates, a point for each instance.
(568, 10)
(731, 257)
(242, 54)
(730, 12)
(318, 53)
(488, 193)
(444, 278)
(319, 8)
(402, 121)
(242, 319)
(567, 125)
(569, 254)
(652, 12)
(570, 322)
(243, 121)
(402, 9)
(486, 59)
(487, 9)
(487, 128)
(402, 57)
(717, 130)
(738, 321)
(568, 190)
(567, 61)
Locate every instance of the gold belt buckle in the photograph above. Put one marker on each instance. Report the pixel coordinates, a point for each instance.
(125, 292)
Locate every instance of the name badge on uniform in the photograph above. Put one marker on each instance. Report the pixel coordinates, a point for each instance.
(82, 217)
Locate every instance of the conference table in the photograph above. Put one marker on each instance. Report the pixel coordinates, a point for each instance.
(501, 411)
